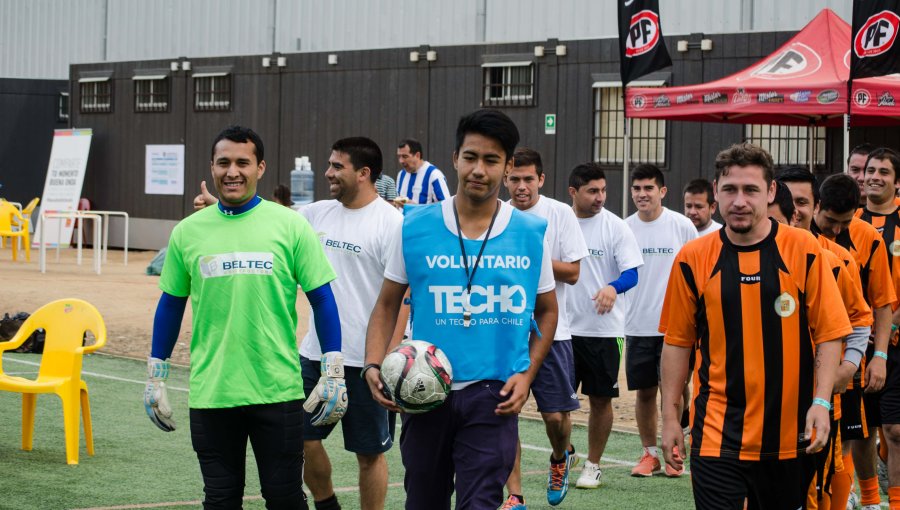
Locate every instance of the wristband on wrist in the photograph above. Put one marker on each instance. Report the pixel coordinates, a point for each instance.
(822, 402)
(880, 354)
(362, 373)
(894, 327)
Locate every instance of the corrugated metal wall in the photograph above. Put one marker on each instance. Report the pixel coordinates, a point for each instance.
(41, 38)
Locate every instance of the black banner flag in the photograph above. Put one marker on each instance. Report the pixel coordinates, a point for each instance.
(641, 46)
(875, 50)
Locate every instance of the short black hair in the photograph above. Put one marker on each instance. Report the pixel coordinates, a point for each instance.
(863, 148)
(525, 156)
(414, 146)
(698, 186)
(240, 134)
(585, 173)
(363, 152)
(839, 194)
(648, 171)
(491, 124)
(883, 153)
(745, 154)
(800, 174)
(784, 200)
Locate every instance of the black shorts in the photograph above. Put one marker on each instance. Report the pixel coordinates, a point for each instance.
(597, 365)
(890, 395)
(723, 484)
(642, 355)
(854, 425)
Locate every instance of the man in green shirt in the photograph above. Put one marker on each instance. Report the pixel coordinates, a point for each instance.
(240, 263)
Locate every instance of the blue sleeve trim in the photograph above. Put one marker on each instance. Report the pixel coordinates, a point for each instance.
(627, 280)
(438, 192)
(325, 315)
(166, 324)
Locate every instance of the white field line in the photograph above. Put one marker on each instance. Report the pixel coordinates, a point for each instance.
(94, 374)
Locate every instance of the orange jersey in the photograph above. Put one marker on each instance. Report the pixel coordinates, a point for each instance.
(888, 225)
(863, 241)
(754, 314)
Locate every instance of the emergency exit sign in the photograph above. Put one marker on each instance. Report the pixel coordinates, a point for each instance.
(550, 124)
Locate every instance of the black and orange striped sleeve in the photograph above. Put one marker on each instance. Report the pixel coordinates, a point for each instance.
(822, 298)
(678, 318)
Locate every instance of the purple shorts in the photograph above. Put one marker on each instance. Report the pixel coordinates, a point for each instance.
(554, 386)
(463, 440)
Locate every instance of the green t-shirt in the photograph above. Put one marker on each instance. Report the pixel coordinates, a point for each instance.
(241, 273)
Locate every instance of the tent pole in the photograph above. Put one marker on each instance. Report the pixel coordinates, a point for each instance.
(846, 141)
(811, 151)
(625, 185)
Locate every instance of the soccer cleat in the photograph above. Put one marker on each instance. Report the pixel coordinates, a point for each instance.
(513, 503)
(881, 470)
(591, 476)
(871, 507)
(646, 466)
(558, 480)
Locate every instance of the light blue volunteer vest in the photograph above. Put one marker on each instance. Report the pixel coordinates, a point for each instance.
(495, 345)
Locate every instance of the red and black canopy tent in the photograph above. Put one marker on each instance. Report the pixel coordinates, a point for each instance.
(802, 83)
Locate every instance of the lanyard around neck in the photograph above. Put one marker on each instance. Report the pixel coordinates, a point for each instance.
(462, 246)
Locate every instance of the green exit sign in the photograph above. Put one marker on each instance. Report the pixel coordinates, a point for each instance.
(550, 124)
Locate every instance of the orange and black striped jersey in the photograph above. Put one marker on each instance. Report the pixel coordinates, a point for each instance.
(867, 247)
(888, 225)
(846, 273)
(754, 314)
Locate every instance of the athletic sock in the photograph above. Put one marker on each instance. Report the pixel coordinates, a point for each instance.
(520, 497)
(328, 503)
(868, 491)
(652, 451)
(894, 497)
(685, 418)
(841, 483)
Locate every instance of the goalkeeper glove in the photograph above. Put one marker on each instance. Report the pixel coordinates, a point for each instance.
(327, 402)
(156, 399)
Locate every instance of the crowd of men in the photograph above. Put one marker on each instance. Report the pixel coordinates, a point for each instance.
(771, 338)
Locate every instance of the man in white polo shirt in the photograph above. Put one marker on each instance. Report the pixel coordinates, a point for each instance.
(660, 232)
(596, 317)
(554, 386)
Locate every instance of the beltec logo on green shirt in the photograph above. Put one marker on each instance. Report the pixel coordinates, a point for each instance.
(228, 264)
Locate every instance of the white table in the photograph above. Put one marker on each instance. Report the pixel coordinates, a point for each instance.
(106, 215)
(82, 215)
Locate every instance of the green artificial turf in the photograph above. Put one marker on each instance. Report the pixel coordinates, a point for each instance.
(138, 466)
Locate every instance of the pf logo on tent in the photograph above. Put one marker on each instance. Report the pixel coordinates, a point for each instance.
(877, 35)
(643, 33)
(796, 61)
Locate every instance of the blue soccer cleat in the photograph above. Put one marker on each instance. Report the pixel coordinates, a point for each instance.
(558, 480)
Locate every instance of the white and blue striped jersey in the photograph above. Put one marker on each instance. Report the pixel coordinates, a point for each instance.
(426, 186)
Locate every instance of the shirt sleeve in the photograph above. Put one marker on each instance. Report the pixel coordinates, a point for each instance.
(677, 320)
(850, 286)
(573, 246)
(822, 298)
(395, 266)
(546, 283)
(882, 286)
(438, 186)
(175, 278)
(627, 252)
(390, 192)
(311, 266)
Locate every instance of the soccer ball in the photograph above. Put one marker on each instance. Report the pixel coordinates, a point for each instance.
(416, 376)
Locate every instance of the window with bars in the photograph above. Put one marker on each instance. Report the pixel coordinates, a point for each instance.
(789, 145)
(508, 85)
(648, 136)
(96, 95)
(212, 92)
(151, 94)
(62, 103)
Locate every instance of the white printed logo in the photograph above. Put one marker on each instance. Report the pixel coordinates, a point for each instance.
(785, 305)
(895, 248)
(490, 299)
(228, 264)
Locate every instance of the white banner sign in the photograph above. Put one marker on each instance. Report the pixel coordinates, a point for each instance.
(65, 177)
(164, 170)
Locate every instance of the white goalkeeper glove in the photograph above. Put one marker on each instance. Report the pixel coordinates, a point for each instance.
(327, 402)
(156, 399)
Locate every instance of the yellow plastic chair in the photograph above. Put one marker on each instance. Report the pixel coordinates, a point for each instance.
(8, 215)
(65, 322)
(27, 211)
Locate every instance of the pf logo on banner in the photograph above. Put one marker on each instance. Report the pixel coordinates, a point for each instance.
(643, 33)
(877, 35)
